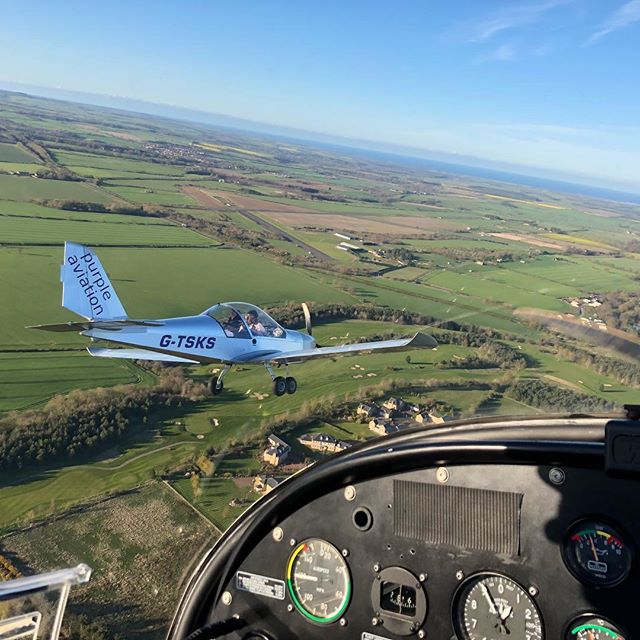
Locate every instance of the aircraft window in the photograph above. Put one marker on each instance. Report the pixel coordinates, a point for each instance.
(230, 320)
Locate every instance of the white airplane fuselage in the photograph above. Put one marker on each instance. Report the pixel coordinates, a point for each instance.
(202, 338)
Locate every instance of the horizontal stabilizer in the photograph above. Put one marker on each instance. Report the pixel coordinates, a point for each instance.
(105, 325)
(136, 354)
(418, 341)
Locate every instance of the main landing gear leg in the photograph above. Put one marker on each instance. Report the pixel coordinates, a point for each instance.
(216, 385)
(282, 385)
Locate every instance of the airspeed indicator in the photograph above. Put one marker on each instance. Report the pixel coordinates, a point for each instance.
(318, 581)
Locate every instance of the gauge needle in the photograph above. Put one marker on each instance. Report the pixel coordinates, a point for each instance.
(593, 548)
(505, 613)
(487, 595)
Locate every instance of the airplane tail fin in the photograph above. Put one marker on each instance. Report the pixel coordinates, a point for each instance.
(86, 288)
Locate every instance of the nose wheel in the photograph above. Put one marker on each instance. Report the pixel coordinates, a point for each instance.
(216, 385)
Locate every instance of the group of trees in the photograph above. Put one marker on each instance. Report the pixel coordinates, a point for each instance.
(71, 424)
(98, 207)
(621, 310)
(537, 393)
(490, 355)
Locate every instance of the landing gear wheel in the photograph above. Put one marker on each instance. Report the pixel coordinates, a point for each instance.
(213, 386)
(292, 385)
(279, 386)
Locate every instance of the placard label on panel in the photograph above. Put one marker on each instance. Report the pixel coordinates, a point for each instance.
(371, 636)
(260, 585)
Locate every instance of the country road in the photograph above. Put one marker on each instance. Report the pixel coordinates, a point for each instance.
(203, 198)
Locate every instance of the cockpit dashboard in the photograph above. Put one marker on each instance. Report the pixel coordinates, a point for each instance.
(518, 530)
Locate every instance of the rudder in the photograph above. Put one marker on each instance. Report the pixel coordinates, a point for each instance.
(86, 288)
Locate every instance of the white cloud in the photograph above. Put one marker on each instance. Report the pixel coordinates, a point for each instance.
(501, 54)
(627, 14)
(511, 17)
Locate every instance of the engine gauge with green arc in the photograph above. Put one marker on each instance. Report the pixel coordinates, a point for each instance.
(591, 627)
(318, 581)
(597, 553)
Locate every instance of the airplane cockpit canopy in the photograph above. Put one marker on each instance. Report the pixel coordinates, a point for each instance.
(244, 320)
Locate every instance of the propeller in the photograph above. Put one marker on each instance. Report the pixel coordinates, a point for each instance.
(307, 318)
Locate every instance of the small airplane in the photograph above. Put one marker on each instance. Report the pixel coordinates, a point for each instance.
(229, 333)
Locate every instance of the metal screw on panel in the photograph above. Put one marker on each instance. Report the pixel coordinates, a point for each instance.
(376, 567)
(278, 534)
(375, 621)
(422, 633)
(350, 493)
(292, 541)
(459, 575)
(533, 591)
(442, 474)
(289, 607)
(227, 598)
(557, 476)
(422, 577)
(343, 622)
(345, 552)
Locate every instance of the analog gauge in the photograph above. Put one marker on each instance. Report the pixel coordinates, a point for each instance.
(589, 627)
(596, 553)
(489, 606)
(318, 581)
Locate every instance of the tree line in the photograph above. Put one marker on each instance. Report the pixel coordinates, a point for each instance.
(72, 424)
(537, 393)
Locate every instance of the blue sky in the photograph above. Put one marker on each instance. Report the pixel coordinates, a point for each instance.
(541, 83)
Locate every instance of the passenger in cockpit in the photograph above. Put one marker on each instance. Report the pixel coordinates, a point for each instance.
(256, 327)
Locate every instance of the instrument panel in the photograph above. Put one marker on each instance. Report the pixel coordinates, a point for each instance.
(468, 552)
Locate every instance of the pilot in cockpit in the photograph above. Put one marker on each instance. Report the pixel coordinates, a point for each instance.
(234, 325)
(256, 327)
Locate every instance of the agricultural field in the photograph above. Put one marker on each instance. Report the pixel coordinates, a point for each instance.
(129, 563)
(28, 380)
(28, 188)
(14, 153)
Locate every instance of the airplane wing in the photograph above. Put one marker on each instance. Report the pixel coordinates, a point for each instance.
(137, 354)
(419, 340)
(105, 325)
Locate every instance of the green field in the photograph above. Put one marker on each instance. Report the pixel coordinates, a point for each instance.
(27, 188)
(14, 153)
(27, 380)
(107, 536)
(22, 230)
(119, 166)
